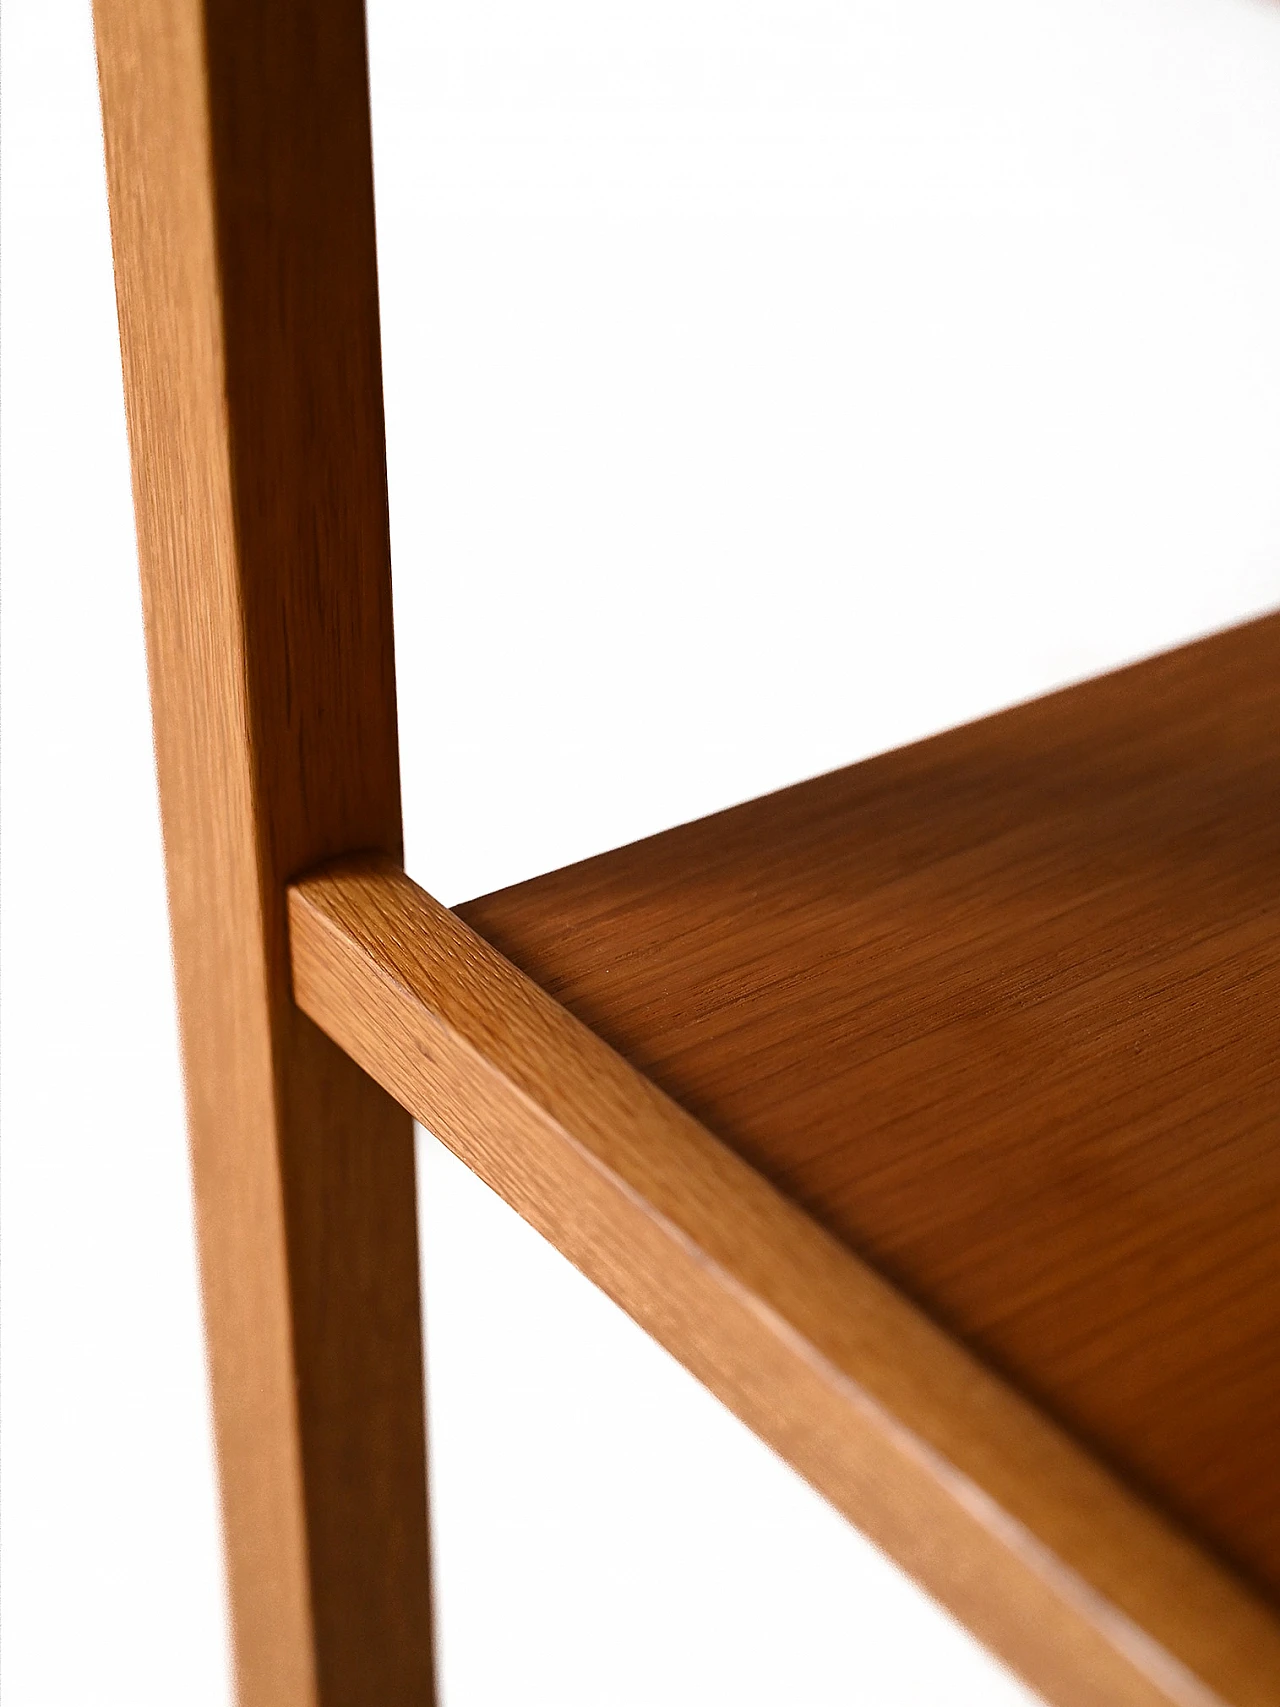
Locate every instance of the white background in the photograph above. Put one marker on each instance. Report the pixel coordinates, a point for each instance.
(768, 383)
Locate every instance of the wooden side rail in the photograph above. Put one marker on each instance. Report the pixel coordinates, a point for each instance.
(1086, 1590)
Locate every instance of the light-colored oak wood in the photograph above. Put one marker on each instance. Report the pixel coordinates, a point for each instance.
(991, 1025)
(1093, 1596)
(1002, 1012)
(238, 160)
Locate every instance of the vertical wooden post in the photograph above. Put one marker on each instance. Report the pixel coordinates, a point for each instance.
(239, 173)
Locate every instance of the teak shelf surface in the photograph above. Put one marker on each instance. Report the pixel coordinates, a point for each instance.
(1001, 1011)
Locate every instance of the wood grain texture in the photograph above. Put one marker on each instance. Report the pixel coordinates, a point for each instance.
(1090, 1594)
(1001, 1011)
(238, 160)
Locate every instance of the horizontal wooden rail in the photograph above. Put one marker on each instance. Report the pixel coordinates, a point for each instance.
(1078, 1584)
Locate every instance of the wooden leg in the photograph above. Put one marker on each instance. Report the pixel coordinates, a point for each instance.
(238, 158)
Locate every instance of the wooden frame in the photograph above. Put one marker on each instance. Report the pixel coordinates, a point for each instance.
(239, 177)
(650, 1055)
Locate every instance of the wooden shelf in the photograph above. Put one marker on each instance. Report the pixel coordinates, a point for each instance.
(927, 1112)
(995, 1019)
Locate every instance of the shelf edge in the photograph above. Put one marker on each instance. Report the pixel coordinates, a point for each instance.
(1081, 1587)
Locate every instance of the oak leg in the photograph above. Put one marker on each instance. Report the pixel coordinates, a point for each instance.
(238, 158)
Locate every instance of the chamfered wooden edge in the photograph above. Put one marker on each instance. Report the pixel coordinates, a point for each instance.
(241, 199)
(1082, 1588)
